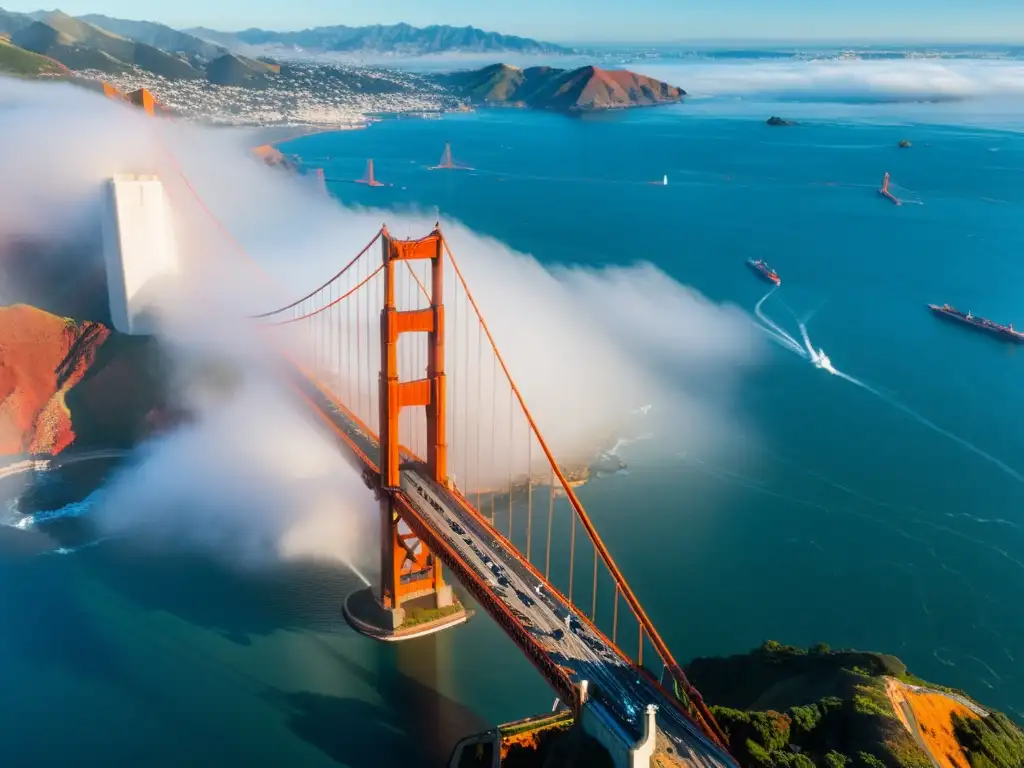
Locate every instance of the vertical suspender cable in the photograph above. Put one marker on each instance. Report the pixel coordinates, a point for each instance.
(615, 615)
(529, 493)
(359, 354)
(371, 390)
(310, 331)
(494, 426)
(465, 401)
(335, 354)
(478, 415)
(349, 356)
(511, 443)
(551, 516)
(572, 556)
(410, 364)
(455, 388)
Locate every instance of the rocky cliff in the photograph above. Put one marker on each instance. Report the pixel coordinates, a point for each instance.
(787, 706)
(42, 357)
(65, 382)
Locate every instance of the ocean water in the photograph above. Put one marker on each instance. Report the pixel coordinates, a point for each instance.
(882, 513)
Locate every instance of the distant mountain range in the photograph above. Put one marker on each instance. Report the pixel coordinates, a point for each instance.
(578, 90)
(389, 39)
(398, 39)
(157, 35)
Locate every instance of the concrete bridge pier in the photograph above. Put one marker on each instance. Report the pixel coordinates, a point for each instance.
(411, 598)
(599, 723)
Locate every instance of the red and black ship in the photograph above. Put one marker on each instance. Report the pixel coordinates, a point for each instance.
(765, 271)
(980, 323)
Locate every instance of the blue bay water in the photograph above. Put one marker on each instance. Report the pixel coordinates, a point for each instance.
(129, 658)
(846, 519)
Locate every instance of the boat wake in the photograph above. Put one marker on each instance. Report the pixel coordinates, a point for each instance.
(820, 360)
(906, 196)
(79, 548)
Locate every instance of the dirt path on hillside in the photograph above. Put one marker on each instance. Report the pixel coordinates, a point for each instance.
(928, 717)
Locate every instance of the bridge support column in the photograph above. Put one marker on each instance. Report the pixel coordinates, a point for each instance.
(411, 598)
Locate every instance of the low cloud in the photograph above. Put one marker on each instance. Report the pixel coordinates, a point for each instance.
(251, 477)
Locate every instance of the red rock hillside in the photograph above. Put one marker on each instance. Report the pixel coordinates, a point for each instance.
(41, 357)
(64, 382)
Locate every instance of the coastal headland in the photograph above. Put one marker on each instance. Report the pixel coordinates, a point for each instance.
(783, 706)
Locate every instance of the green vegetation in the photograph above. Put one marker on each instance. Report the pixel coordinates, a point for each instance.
(990, 742)
(781, 705)
(563, 719)
(21, 63)
(910, 679)
(417, 616)
(871, 699)
(239, 71)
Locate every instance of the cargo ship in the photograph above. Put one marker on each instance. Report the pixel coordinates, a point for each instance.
(1003, 331)
(765, 271)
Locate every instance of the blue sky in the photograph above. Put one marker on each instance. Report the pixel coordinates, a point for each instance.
(601, 20)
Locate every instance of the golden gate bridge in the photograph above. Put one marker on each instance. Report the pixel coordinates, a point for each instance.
(444, 437)
(402, 368)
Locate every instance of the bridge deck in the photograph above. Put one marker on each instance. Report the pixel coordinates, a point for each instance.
(553, 625)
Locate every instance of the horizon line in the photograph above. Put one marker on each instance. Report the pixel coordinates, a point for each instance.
(698, 39)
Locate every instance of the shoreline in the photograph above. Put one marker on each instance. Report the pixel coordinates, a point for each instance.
(273, 135)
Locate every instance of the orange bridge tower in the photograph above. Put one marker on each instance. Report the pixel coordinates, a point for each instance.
(410, 573)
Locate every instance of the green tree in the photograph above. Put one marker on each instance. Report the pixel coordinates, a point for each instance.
(805, 719)
(835, 759)
(866, 759)
(758, 754)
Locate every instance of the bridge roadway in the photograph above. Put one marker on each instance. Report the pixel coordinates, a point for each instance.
(555, 626)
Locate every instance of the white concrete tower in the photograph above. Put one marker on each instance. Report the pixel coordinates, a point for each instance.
(640, 754)
(140, 249)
